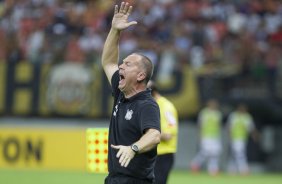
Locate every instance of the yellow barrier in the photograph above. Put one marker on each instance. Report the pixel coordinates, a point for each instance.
(43, 148)
(97, 150)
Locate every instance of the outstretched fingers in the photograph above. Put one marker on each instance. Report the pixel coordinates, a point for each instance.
(124, 8)
(121, 9)
(129, 10)
(123, 154)
(127, 162)
(116, 9)
(132, 23)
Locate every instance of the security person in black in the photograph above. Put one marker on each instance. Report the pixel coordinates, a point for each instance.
(135, 123)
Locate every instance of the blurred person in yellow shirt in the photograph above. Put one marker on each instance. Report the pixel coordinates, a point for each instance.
(209, 122)
(169, 131)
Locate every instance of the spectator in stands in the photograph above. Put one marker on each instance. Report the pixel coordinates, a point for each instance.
(220, 23)
(13, 51)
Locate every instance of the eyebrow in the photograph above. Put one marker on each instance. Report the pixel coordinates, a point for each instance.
(126, 62)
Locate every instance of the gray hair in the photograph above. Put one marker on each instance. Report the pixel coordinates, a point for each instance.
(148, 67)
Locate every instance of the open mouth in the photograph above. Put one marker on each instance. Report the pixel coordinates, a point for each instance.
(121, 78)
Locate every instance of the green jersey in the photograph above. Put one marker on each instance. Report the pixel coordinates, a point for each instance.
(240, 125)
(210, 121)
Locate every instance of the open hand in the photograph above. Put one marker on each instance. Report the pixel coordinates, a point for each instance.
(120, 19)
(125, 154)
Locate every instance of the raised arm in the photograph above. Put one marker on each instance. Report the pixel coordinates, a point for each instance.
(110, 53)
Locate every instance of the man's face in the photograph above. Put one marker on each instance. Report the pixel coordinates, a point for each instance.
(130, 72)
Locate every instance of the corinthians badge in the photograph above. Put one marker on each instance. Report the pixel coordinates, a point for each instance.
(128, 115)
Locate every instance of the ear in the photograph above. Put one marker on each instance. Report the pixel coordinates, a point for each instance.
(141, 76)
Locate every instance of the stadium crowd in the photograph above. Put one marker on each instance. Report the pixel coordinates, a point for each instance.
(218, 37)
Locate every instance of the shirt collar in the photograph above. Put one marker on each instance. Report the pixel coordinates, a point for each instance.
(141, 95)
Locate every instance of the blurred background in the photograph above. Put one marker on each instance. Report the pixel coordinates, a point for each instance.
(52, 87)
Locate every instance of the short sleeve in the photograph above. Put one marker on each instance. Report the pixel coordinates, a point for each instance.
(150, 117)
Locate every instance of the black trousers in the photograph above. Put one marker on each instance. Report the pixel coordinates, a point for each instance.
(163, 167)
(123, 179)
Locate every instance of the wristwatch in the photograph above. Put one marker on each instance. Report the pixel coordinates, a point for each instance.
(135, 148)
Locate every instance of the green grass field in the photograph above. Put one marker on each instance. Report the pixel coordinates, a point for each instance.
(177, 177)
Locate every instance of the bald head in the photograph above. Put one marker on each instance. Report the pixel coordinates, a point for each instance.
(147, 65)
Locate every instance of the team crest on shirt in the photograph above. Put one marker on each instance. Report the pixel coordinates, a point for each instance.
(128, 115)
